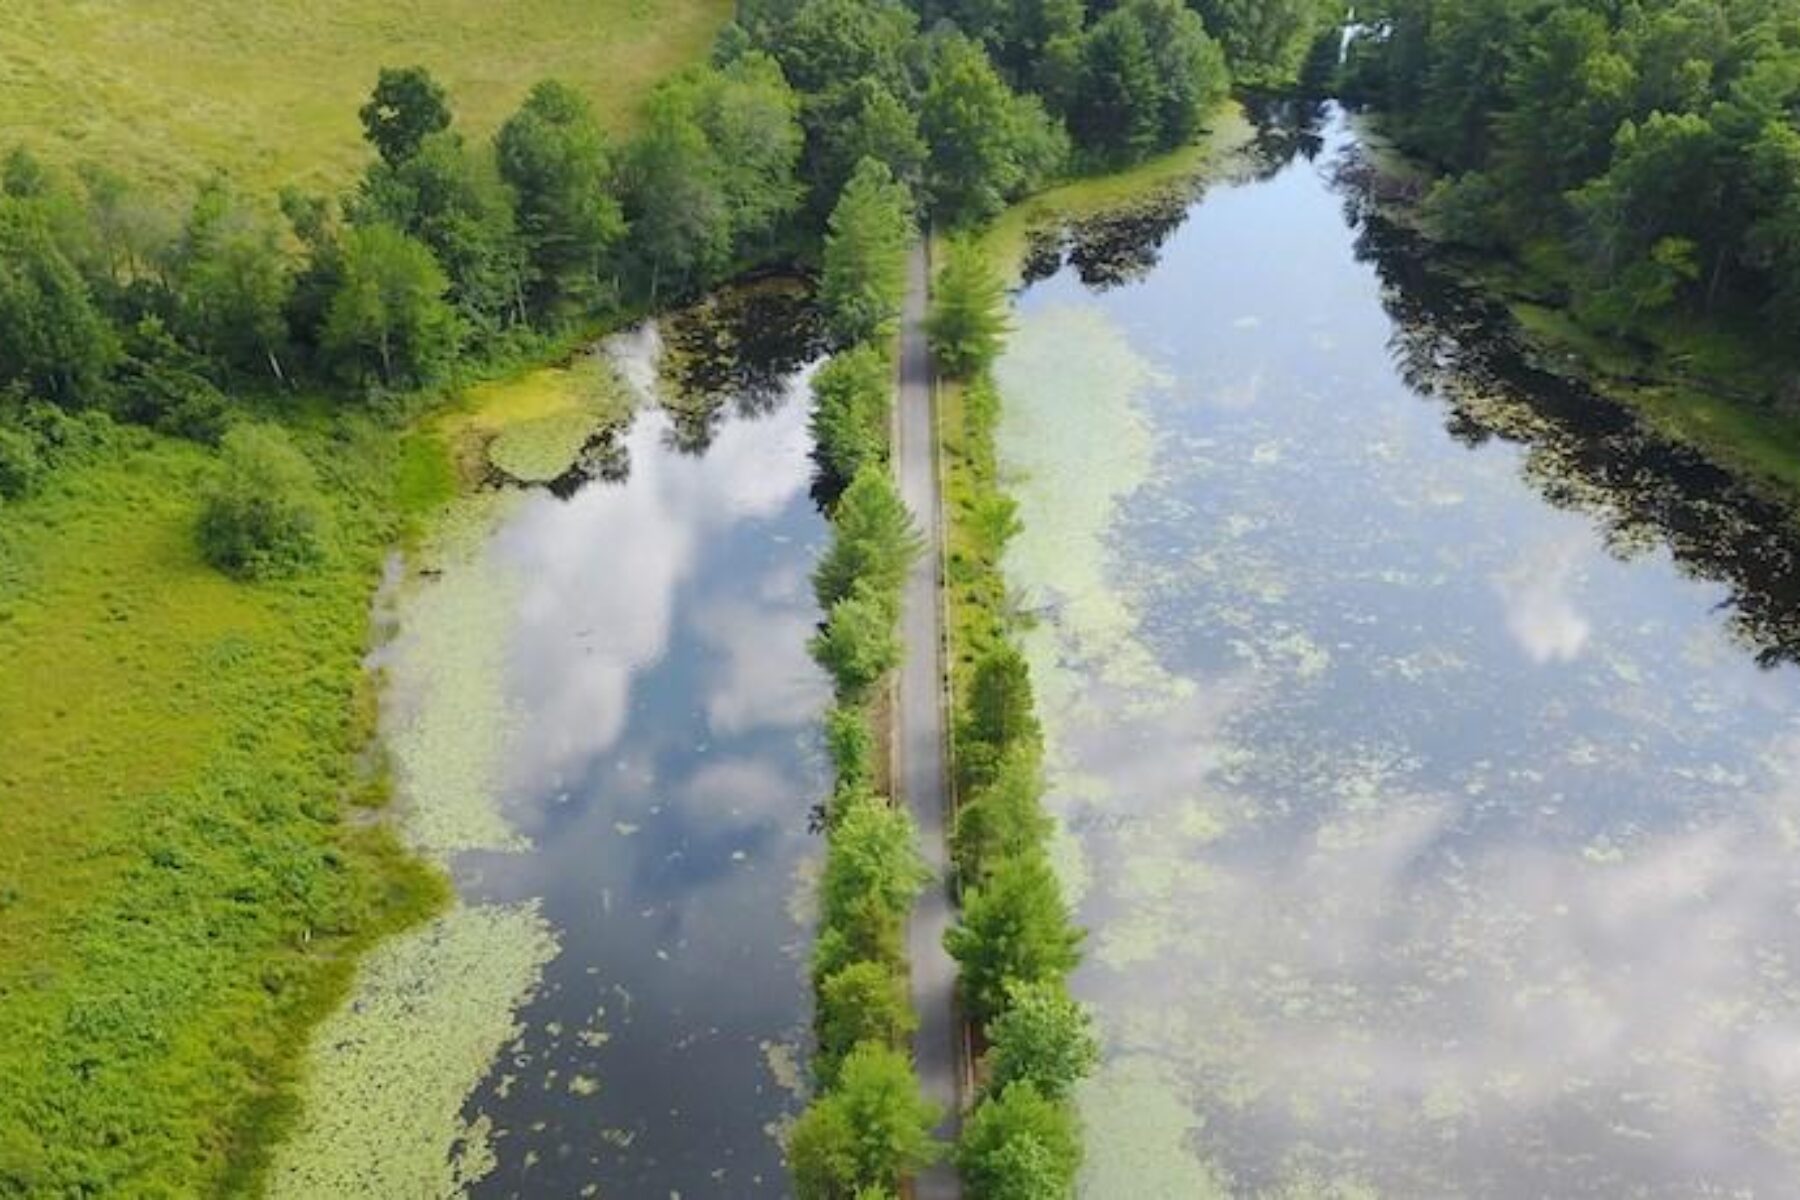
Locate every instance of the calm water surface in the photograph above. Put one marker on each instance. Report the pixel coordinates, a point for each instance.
(1426, 741)
(663, 767)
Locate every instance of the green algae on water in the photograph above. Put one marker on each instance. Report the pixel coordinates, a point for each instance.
(579, 404)
(391, 1070)
(1139, 1126)
(448, 714)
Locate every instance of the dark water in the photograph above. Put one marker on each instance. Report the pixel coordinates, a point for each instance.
(1426, 738)
(664, 767)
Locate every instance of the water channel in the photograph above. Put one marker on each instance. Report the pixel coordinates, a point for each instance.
(1425, 738)
(604, 722)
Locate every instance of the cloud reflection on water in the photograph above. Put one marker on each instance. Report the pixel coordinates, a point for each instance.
(614, 609)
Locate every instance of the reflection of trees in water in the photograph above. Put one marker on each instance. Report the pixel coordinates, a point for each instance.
(1583, 452)
(1124, 245)
(1287, 128)
(1113, 249)
(735, 353)
(605, 459)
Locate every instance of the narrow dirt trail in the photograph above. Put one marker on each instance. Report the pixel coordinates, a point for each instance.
(924, 783)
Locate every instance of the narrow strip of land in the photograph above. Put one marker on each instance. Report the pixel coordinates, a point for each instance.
(924, 784)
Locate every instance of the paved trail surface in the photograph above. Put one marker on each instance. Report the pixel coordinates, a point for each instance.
(923, 781)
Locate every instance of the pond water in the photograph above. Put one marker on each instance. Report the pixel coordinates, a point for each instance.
(1425, 739)
(660, 764)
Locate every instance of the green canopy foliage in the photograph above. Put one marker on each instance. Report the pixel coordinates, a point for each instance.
(864, 276)
(1642, 144)
(264, 517)
(968, 312)
(555, 157)
(1015, 929)
(389, 321)
(406, 107)
(1044, 1040)
(1020, 1145)
(869, 1132)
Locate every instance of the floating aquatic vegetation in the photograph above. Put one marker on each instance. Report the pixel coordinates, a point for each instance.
(1390, 776)
(383, 1111)
(570, 409)
(1140, 1129)
(448, 717)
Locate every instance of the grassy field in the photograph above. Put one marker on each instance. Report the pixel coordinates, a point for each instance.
(172, 90)
(184, 879)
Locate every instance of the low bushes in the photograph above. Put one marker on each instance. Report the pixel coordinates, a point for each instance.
(1016, 942)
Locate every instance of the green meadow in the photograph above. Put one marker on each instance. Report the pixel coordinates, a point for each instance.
(194, 855)
(173, 90)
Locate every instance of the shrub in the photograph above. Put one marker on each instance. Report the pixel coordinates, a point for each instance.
(264, 517)
(858, 644)
(852, 407)
(1044, 1039)
(872, 1129)
(1015, 929)
(863, 1002)
(21, 464)
(1020, 1145)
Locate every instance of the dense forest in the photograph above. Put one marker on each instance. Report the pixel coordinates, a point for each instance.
(117, 303)
(1645, 155)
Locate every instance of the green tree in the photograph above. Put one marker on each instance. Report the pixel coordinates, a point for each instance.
(1265, 40)
(453, 200)
(264, 517)
(861, 120)
(388, 319)
(872, 1130)
(1004, 817)
(555, 156)
(968, 322)
(751, 119)
(863, 1002)
(826, 45)
(674, 202)
(999, 715)
(53, 340)
(987, 145)
(1644, 219)
(1015, 929)
(864, 276)
(852, 411)
(232, 282)
(1020, 1145)
(406, 107)
(874, 859)
(858, 645)
(875, 542)
(1569, 88)
(1044, 1039)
